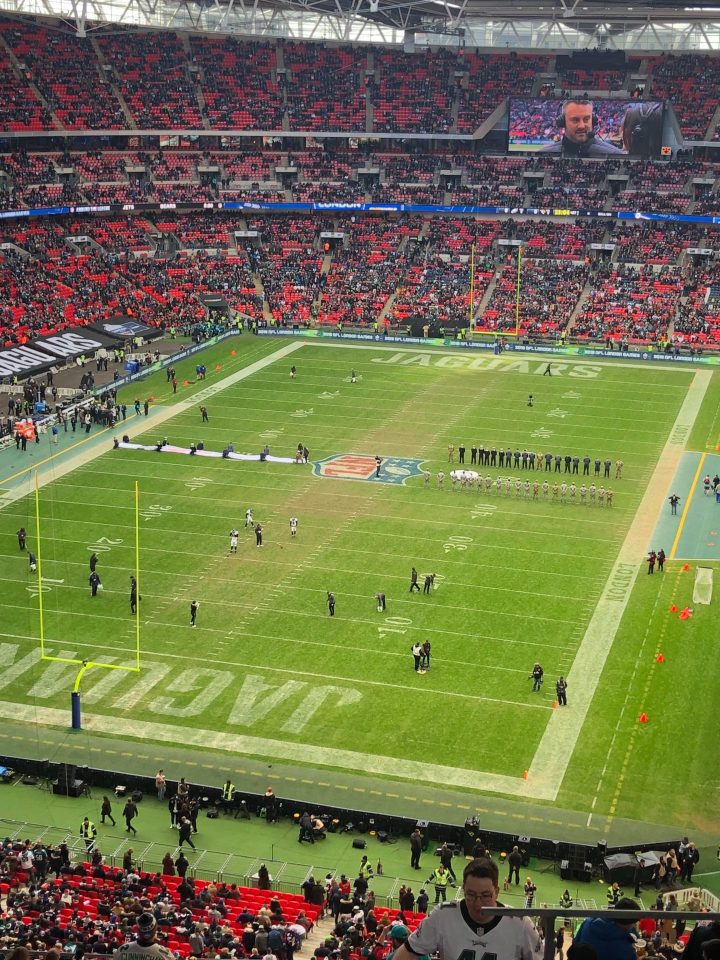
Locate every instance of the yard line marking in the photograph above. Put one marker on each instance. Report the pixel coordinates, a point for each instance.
(353, 680)
(551, 760)
(157, 417)
(686, 508)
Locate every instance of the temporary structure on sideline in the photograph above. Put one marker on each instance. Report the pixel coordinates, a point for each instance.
(702, 592)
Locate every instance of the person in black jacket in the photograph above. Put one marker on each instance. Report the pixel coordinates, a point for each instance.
(106, 811)
(514, 864)
(185, 833)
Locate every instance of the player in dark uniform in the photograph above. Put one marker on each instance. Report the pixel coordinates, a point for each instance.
(568, 463)
(576, 464)
(133, 595)
(674, 501)
(22, 537)
(258, 535)
(429, 580)
(561, 690)
(93, 562)
(331, 603)
(558, 461)
(193, 612)
(414, 580)
(94, 581)
(586, 466)
(378, 464)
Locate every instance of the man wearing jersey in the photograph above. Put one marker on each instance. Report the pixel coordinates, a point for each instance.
(233, 540)
(144, 947)
(293, 526)
(469, 928)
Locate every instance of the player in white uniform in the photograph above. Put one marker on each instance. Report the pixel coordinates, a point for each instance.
(293, 526)
(233, 540)
(468, 928)
(249, 517)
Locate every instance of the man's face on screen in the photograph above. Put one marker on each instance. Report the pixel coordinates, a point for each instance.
(578, 122)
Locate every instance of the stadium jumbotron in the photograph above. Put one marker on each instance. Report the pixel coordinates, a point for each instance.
(359, 470)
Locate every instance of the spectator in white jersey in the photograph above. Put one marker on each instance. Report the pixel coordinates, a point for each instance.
(461, 927)
(144, 946)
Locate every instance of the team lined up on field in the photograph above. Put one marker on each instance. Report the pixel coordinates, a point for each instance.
(566, 492)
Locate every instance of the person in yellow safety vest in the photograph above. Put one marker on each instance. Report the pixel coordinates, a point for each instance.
(88, 831)
(228, 794)
(440, 879)
(614, 893)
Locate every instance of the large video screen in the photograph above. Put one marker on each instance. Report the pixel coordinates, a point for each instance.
(586, 128)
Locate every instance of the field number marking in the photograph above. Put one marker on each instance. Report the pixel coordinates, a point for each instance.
(197, 483)
(394, 625)
(153, 510)
(103, 545)
(456, 543)
(34, 591)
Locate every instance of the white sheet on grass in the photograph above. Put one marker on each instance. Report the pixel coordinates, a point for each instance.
(703, 585)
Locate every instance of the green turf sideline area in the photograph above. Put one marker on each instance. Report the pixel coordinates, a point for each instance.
(268, 673)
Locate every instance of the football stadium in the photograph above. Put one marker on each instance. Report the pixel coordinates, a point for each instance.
(359, 480)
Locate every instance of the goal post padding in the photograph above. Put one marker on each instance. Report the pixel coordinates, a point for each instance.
(703, 585)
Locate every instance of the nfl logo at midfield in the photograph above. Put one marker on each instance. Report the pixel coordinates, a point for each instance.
(358, 466)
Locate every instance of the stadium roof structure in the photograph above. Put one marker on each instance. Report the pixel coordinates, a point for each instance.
(635, 26)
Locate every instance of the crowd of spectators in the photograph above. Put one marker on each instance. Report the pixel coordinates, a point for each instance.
(691, 83)
(633, 303)
(325, 87)
(232, 84)
(177, 176)
(52, 902)
(549, 292)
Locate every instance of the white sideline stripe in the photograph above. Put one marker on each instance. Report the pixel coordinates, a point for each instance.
(558, 742)
(241, 744)
(559, 360)
(63, 465)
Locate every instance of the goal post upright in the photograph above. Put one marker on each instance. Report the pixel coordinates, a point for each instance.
(38, 556)
(85, 663)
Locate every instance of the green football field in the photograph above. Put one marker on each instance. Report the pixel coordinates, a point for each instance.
(268, 674)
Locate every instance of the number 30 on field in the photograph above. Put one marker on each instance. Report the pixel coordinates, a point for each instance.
(456, 543)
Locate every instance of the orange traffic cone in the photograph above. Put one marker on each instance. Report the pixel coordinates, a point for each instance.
(660, 658)
(525, 775)
(685, 613)
(218, 367)
(686, 566)
(555, 704)
(186, 383)
(643, 718)
(233, 353)
(673, 608)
